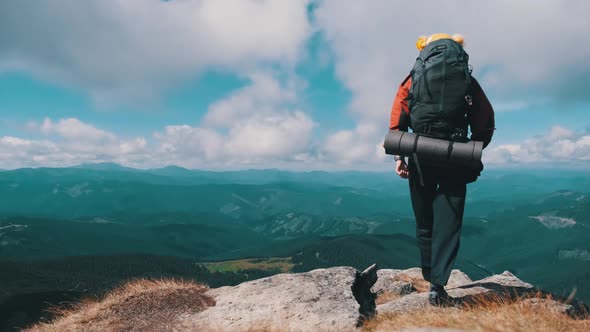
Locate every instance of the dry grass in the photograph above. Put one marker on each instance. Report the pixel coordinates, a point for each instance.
(140, 305)
(282, 264)
(486, 313)
(417, 282)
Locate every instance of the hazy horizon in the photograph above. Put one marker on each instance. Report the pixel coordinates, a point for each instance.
(493, 168)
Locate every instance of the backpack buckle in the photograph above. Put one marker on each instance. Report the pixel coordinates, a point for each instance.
(458, 134)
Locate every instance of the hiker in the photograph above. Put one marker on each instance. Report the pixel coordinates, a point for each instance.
(440, 99)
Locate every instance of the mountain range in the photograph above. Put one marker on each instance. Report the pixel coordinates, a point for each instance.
(535, 223)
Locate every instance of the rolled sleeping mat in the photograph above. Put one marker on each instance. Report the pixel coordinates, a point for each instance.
(433, 149)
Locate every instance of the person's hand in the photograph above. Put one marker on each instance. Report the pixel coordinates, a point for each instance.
(402, 169)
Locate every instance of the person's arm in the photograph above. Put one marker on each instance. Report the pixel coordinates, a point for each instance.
(400, 115)
(481, 115)
(400, 120)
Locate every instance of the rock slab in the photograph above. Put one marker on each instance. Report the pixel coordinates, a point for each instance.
(318, 300)
(393, 280)
(460, 287)
(340, 298)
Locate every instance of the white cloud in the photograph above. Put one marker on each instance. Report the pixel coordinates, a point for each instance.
(130, 50)
(184, 143)
(256, 124)
(557, 133)
(258, 140)
(374, 42)
(355, 146)
(17, 152)
(519, 49)
(280, 135)
(559, 145)
(75, 129)
(262, 96)
(69, 142)
(283, 139)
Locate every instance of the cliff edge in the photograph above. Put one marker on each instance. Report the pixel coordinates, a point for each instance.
(337, 298)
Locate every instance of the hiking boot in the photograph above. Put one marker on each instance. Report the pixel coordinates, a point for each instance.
(437, 296)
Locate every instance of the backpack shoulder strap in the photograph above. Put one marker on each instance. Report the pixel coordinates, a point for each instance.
(409, 96)
(408, 77)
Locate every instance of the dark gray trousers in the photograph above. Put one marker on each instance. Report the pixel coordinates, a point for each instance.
(438, 208)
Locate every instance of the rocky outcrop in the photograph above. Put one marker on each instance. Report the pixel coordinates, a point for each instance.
(404, 282)
(325, 299)
(459, 286)
(341, 298)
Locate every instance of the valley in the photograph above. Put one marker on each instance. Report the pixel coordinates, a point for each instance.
(67, 233)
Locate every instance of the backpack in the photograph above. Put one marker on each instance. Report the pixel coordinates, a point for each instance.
(440, 91)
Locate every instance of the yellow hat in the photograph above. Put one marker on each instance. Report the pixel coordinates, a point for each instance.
(423, 40)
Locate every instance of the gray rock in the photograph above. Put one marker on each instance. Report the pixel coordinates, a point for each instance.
(461, 288)
(321, 299)
(506, 279)
(387, 280)
(506, 284)
(386, 283)
(458, 278)
(396, 282)
(470, 291)
(404, 304)
(395, 287)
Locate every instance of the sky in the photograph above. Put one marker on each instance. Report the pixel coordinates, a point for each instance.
(297, 85)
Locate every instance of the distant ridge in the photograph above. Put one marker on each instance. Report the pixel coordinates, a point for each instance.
(105, 166)
(289, 174)
(173, 170)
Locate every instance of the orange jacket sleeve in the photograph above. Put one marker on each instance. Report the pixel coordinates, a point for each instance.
(481, 116)
(400, 115)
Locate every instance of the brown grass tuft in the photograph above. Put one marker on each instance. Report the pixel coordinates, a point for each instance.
(139, 305)
(487, 312)
(417, 282)
(282, 264)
